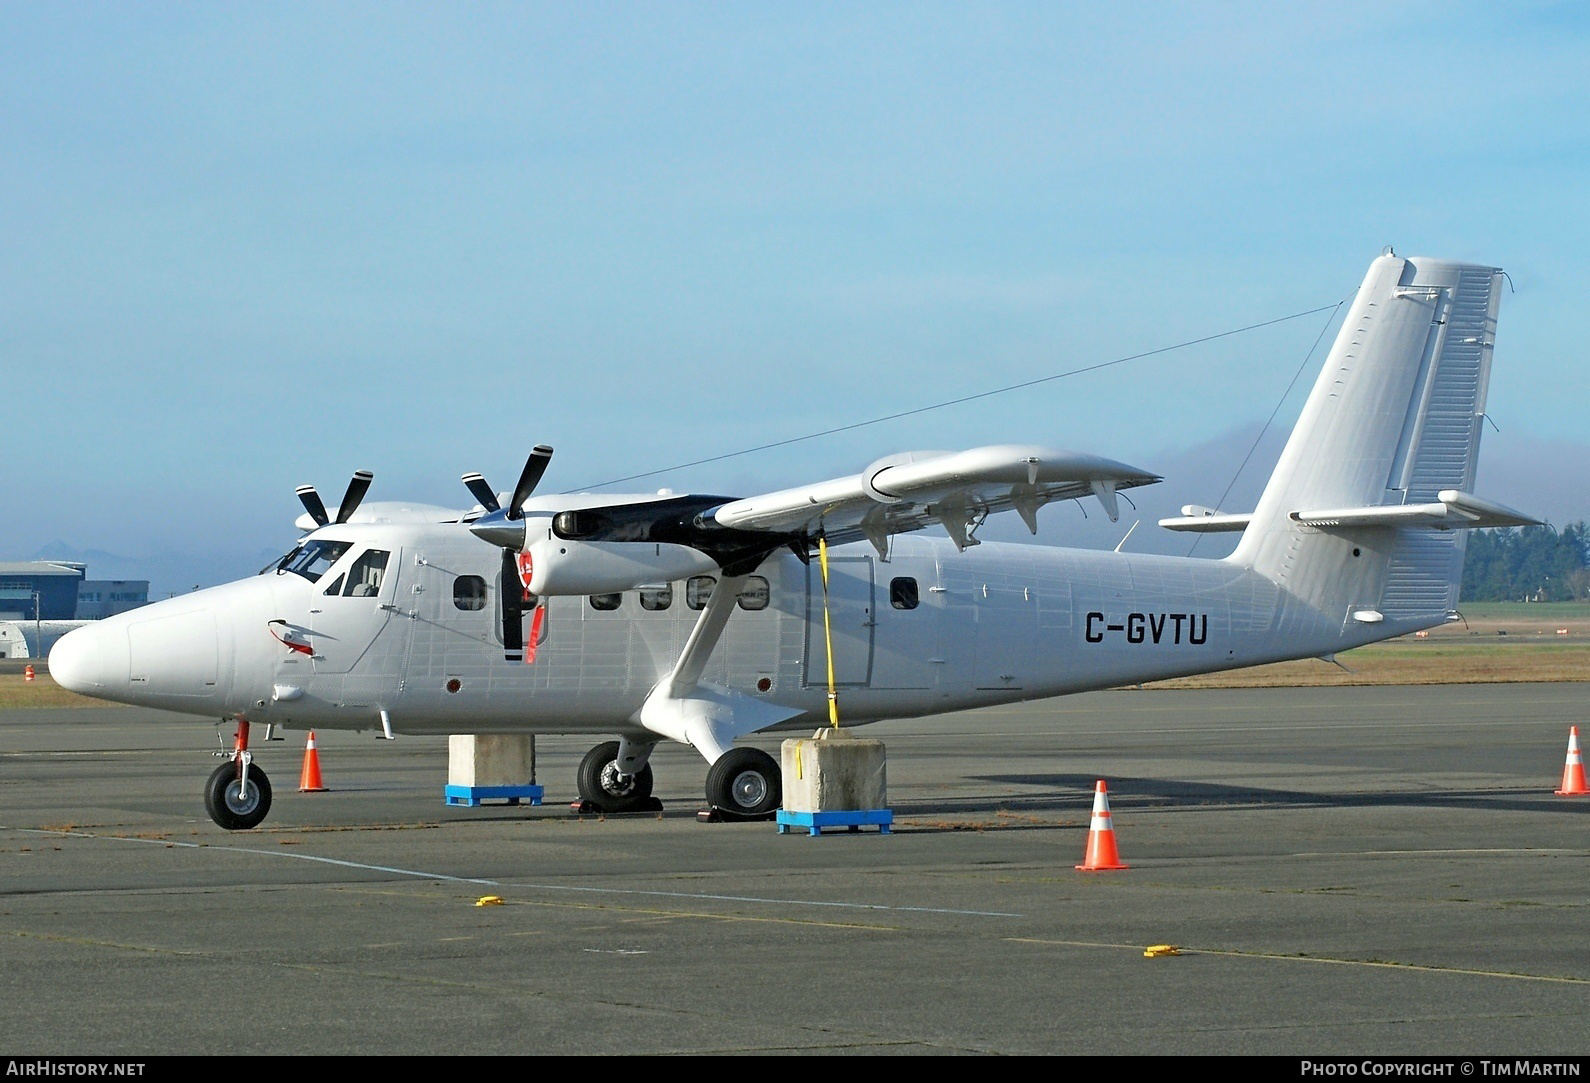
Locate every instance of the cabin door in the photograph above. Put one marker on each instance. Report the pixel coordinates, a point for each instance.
(850, 622)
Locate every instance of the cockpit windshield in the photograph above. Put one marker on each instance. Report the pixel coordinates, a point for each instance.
(311, 559)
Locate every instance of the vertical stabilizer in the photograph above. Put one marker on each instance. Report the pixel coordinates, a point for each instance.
(1393, 420)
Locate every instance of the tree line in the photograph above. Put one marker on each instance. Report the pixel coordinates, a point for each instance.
(1528, 564)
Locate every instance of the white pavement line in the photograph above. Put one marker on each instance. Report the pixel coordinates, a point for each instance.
(528, 887)
(770, 901)
(263, 853)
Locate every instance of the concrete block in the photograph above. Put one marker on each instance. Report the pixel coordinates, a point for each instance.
(833, 771)
(490, 759)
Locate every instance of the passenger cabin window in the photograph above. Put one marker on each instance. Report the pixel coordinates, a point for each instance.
(469, 592)
(657, 598)
(364, 578)
(313, 559)
(903, 593)
(698, 588)
(754, 594)
(606, 601)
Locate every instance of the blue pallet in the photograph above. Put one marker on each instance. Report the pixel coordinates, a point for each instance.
(854, 819)
(475, 795)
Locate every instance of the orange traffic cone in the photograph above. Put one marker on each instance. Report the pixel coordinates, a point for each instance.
(27, 673)
(309, 780)
(1101, 853)
(1573, 771)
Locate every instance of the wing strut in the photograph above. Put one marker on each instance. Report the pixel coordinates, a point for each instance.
(707, 717)
(705, 635)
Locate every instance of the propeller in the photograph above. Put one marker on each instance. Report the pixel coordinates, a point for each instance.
(504, 526)
(357, 487)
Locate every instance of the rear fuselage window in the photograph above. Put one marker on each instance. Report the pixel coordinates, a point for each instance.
(606, 601)
(754, 594)
(469, 592)
(903, 593)
(698, 588)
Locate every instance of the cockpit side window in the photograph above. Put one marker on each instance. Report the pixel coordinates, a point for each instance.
(312, 559)
(364, 578)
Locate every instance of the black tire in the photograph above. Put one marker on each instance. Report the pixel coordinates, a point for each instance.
(233, 807)
(600, 786)
(746, 782)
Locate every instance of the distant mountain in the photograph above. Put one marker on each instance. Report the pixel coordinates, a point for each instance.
(168, 573)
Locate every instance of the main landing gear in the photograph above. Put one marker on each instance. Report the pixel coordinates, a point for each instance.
(238, 795)
(611, 782)
(744, 783)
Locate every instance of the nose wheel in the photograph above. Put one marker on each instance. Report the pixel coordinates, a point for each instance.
(237, 804)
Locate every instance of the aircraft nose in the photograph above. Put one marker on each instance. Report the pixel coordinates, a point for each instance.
(90, 660)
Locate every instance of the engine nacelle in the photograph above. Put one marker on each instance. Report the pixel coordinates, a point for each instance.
(560, 566)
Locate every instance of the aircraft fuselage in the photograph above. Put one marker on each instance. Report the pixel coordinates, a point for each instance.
(932, 629)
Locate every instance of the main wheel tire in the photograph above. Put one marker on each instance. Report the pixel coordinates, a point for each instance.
(745, 781)
(600, 784)
(233, 806)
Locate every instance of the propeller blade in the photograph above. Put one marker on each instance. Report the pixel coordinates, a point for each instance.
(356, 490)
(483, 494)
(313, 504)
(534, 467)
(512, 608)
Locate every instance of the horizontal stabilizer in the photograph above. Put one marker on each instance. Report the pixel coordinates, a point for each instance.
(1453, 511)
(1200, 520)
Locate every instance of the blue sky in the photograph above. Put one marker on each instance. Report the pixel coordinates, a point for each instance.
(248, 246)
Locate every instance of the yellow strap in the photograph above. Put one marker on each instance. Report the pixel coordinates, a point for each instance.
(828, 634)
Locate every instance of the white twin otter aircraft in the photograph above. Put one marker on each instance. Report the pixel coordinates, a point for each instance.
(701, 619)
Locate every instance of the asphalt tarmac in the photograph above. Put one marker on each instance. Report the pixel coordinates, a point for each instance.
(1345, 871)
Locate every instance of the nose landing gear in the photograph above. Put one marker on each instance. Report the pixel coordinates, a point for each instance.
(238, 795)
(235, 804)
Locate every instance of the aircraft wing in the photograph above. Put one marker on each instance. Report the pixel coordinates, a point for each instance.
(584, 543)
(389, 511)
(915, 489)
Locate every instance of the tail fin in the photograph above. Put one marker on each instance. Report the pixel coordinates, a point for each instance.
(1385, 450)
